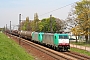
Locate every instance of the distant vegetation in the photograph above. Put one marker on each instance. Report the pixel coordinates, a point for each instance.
(51, 24)
(9, 50)
(78, 22)
(81, 12)
(79, 19)
(1, 29)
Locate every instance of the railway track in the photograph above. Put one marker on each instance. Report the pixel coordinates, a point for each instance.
(55, 54)
(47, 51)
(76, 55)
(58, 55)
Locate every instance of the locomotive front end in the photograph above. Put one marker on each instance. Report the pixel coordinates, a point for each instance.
(64, 42)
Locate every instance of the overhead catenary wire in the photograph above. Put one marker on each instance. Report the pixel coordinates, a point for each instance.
(57, 9)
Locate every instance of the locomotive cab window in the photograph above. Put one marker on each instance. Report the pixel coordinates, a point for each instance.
(63, 37)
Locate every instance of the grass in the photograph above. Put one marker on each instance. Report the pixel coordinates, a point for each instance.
(80, 43)
(80, 51)
(9, 50)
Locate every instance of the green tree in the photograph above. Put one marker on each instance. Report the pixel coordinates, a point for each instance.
(44, 24)
(82, 10)
(33, 26)
(41, 26)
(36, 20)
(26, 25)
(76, 31)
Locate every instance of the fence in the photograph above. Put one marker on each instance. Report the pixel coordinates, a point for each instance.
(80, 47)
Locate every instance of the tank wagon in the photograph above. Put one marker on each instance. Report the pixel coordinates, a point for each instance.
(56, 41)
(14, 32)
(25, 34)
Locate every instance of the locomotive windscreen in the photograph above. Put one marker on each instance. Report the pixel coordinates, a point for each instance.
(63, 37)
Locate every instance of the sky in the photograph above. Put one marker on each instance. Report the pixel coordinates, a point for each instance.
(10, 10)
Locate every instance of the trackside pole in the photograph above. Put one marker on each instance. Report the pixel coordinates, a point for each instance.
(19, 28)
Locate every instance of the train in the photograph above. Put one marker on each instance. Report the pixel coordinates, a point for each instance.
(56, 41)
